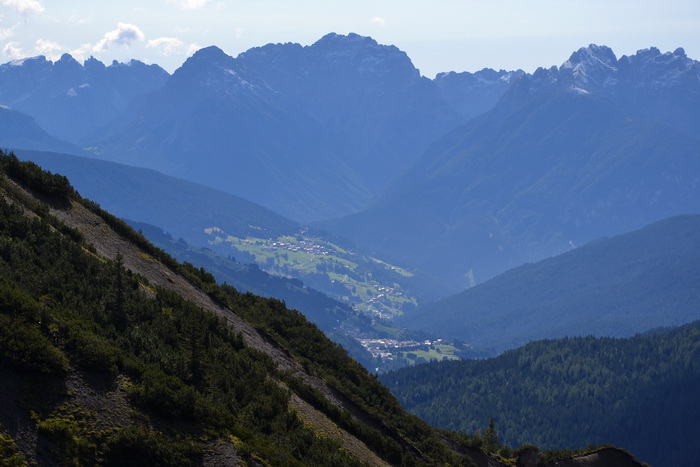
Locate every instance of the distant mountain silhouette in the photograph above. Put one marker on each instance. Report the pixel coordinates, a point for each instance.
(563, 158)
(610, 287)
(310, 132)
(472, 94)
(183, 209)
(18, 130)
(380, 112)
(216, 125)
(70, 100)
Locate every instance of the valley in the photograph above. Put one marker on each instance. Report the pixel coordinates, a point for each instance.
(274, 239)
(371, 287)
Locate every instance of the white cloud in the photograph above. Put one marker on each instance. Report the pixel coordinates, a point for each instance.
(51, 50)
(193, 48)
(238, 32)
(189, 4)
(82, 52)
(7, 32)
(77, 19)
(12, 51)
(125, 34)
(166, 45)
(24, 6)
(378, 21)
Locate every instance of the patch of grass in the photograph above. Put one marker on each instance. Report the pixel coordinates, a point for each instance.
(372, 285)
(10, 455)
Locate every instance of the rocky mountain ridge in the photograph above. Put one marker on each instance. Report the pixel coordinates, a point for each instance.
(70, 100)
(548, 167)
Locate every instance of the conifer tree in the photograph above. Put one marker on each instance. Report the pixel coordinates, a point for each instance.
(491, 437)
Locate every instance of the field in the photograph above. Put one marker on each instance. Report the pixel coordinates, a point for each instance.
(370, 285)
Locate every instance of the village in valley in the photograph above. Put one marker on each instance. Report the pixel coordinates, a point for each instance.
(370, 286)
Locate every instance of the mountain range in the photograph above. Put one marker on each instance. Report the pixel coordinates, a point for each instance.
(311, 132)
(567, 155)
(308, 148)
(461, 178)
(70, 100)
(546, 161)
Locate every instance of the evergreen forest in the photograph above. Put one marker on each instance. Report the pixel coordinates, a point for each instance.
(639, 393)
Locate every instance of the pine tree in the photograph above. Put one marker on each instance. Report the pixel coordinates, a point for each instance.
(117, 300)
(491, 437)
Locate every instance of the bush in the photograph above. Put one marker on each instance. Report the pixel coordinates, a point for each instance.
(137, 446)
(74, 449)
(24, 346)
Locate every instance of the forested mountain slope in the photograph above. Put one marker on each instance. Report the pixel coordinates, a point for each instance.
(164, 339)
(640, 393)
(112, 352)
(609, 287)
(204, 217)
(323, 311)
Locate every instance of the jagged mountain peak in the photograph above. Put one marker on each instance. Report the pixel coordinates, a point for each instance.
(351, 39)
(596, 70)
(67, 58)
(214, 71)
(483, 76)
(94, 65)
(209, 53)
(589, 67)
(653, 69)
(206, 60)
(30, 64)
(364, 53)
(591, 55)
(472, 94)
(69, 99)
(67, 67)
(335, 57)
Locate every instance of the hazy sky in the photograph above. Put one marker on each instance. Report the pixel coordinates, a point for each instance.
(440, 35)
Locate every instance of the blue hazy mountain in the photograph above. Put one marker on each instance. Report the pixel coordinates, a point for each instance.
(612, 287)
(472, 94)
(183, 209)
(310, 132)
(568, 154)
(70, 100)
(215, 125)
(380, 112)
(18, 130)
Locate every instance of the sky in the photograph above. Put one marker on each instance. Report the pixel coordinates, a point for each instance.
(438, 36)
